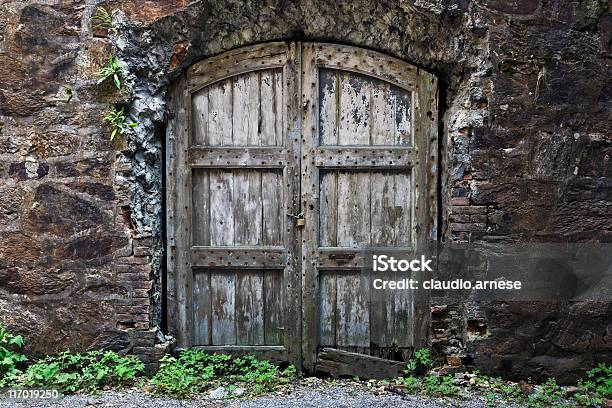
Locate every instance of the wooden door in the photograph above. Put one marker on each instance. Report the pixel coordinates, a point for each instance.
(368, 181)
(256, 136)
(233, 176)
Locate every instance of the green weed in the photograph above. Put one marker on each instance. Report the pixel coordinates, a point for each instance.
(102, 19)
(596, 387)
(420, 362)
(113, 70)
(118, 122)
(90, 372)
(196, 371)
(440, 386)
(10, 356)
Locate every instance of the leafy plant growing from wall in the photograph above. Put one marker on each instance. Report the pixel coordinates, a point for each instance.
(118, 122)
(103, 20)
(10, 355)
(113, 70)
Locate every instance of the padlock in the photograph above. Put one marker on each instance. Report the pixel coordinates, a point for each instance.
(300, 222)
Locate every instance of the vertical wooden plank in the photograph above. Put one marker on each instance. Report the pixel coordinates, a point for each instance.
(245, 109)
(199, 117)
(202, 308)
(242, 201)
(403, 317)
(279, 107)
(360, 217)
(383, 212)
(382, 116)
(353, 299)
(223, 291)
(309, 205)
(272, 207)
(354, 109)
(249, 308)
(328, 213)
(183, 237)
(221, 207)
(201, 209)
(329, 108)
(268, 108)
(382, 310)
(254, 210)
(345, 196)
(247, 207)
(425, 188)
(328, 309)
(293, 273)
(220, 113)
(273, 311)
(353, 224)
(174, 131)
(402, 209)
(403, 116)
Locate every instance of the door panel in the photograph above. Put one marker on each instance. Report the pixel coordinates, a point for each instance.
(356, 109)
(364, 208)
(363, 153)
(238, 307)
(261, 136)
(236, 207)
(232, 166)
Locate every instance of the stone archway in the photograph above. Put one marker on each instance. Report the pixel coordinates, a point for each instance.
(447, 43)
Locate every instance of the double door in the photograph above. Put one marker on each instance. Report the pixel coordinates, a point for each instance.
(285, 161)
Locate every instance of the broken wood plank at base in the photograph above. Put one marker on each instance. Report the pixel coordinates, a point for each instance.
(339, 363)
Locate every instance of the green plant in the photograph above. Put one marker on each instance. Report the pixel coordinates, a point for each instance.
(103, 19)
(90, 372)
(118, 122)
(68, 94)
(546, 394)
(440, 386)
(596, 387)
(113, 70)
(420, 362)
(195, 371)
(411, 384)
(10, 356)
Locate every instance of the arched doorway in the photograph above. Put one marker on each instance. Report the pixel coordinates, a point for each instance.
(284, 162)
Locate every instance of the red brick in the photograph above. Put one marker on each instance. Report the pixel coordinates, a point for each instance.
(142, 251)
(478, 218)
(468, 227)
(460, 201)
(470, 209)
(460, 217)
(134, 260)
(143, 284)
(141, 301)
(141, 293)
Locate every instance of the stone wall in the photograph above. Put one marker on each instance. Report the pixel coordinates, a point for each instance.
(525, 144)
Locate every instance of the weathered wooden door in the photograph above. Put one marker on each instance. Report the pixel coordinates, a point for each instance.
(263, 136)
(233, 176)
(368, 181)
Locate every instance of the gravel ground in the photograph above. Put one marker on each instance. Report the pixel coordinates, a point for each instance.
(308, 393)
